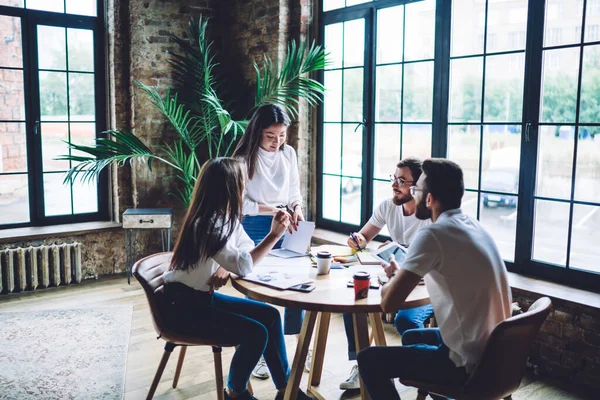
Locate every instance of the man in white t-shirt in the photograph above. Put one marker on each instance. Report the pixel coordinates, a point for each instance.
(398, 214)
(467, 283)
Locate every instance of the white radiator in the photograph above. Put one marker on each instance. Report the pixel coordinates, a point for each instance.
(32, 267)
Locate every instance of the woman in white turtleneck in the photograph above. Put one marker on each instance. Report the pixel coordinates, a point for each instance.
(272, 185)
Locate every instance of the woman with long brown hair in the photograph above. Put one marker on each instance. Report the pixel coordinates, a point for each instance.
(211, 245)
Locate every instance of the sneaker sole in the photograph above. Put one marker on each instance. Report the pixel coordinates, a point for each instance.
(344, 387)
(261, 377)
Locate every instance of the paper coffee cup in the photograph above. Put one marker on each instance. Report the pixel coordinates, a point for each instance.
(323, 262)
(362, 280)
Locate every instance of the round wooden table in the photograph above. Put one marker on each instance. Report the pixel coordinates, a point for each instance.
(331, 295)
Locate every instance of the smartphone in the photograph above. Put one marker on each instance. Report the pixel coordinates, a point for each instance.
(303, 287)
(372, 285)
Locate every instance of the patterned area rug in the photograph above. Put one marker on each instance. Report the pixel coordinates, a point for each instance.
(64, 354)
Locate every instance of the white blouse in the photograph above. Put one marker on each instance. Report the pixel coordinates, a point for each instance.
(234, 257)
(275, 182)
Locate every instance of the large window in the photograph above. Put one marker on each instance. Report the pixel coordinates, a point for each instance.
(51, 91)
(507, 89)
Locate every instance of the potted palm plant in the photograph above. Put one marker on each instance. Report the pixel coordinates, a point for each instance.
(203, 125)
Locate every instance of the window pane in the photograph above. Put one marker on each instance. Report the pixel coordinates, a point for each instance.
(333, 44)
(332, 104)
(81, 49)
(14, 147)
(465, 89)
(355, 2)
(381, 192)
(592, 21)
(354, 43)
(585, 252)
(332, 4)
(387, 149)
(11, 3)
(352, 151)
(81, 97)
(57, 196)
(351, 200)
(563, 22)
(11, 51)
(85, 196)
(587, 184)
(12, 95)
(390, 31)
(468, 23)
(590, 85)
(555, 158)
(81, 7)
(504, 77)
(332, 148)
(463, 149)
(52, 53)
(53, 96)
(353, 95)
(388, 93)
(499, 218)
(469, 204)
(416, 140)
(507, 25)
(331, 197)
(53, 145)
(551, 226)
(420, 30)
(418, 92)
(559, 85)
(82, 134)
(501, 160)
(14, 199)
(47, 5)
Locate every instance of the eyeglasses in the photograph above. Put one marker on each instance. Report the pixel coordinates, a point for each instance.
(399, 181)
(414, 190)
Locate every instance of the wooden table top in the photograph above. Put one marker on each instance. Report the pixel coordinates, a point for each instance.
(330, 294)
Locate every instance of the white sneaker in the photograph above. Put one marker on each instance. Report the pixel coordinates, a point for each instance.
(353, 381)
(261, 371)
(308, 362)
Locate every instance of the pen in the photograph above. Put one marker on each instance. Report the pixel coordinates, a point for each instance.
(355, 241)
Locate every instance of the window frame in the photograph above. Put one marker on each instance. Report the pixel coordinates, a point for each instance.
(30, 20)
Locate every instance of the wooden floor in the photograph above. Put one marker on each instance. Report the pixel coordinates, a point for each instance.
(197, 377)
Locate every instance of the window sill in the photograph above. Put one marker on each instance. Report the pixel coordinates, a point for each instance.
(518, 282)
(41, 232)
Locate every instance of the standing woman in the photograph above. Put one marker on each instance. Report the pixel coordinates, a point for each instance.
(273, 184)
(212, 244)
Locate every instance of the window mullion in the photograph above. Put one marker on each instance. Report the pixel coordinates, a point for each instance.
(441, 79)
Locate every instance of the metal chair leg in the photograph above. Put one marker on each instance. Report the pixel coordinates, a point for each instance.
(179, 365)
(218, 372)
(161, 367)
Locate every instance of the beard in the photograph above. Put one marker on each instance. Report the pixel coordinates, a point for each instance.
(399, 201)
(422, 212)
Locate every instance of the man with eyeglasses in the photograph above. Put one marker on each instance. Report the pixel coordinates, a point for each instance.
(467, 283)
(398, 214)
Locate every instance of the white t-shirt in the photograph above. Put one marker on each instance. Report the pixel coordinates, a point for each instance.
(234, 257)
(275, 181)
(402, 228)
(467, 282)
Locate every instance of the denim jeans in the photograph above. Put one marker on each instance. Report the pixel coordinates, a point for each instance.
(253, 326)
(423, 357)
(411, 318)
(257, 227)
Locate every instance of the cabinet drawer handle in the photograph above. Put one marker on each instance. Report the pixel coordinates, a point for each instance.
(150, 221)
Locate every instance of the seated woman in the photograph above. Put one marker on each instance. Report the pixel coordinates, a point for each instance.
(212, 244)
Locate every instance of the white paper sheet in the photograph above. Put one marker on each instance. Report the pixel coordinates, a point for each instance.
(276, 278)
(298, 241)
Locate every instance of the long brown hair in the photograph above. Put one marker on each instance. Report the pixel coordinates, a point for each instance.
(263, 117)
(211, 217)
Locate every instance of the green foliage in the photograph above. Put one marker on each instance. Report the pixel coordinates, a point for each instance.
(203, 123)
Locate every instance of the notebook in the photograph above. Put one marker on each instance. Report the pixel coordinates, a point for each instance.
(297, 243)
(367, 258)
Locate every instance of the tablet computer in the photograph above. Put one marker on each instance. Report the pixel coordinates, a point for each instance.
(384, 252)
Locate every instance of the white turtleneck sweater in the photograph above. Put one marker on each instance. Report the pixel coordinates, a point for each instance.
(275, 182)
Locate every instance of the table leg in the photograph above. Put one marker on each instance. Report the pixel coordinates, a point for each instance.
(361, 334)
(169, 239)
(162, 239)
(377, 326)
(316, 369)
(291, 391)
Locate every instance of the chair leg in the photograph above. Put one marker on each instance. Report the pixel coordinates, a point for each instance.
(218, 372)
(422, 395)
(161, 367)
(179, 365)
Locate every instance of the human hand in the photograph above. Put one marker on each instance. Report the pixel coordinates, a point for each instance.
(281, 223)
(362, 242)
(218, 279)
(297, 216)
(391, 268)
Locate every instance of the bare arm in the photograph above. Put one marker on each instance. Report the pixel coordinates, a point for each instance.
(395, 292)
(366, 234)
(280, 223)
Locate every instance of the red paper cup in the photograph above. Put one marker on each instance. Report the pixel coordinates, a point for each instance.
(362, 279)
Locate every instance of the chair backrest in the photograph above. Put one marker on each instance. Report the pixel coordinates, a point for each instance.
(500, 369)
(148, 271)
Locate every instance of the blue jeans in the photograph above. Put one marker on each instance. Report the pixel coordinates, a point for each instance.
(257, 227)
(411, 318)
(253, 326)
(423, 357)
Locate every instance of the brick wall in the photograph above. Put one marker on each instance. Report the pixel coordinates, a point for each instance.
(568, 345)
